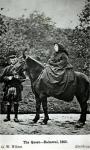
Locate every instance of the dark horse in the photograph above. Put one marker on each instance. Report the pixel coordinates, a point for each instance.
(81, 91)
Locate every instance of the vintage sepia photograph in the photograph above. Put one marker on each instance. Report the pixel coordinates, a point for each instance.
(45, 68)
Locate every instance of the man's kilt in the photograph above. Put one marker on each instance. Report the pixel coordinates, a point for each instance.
(12, 93)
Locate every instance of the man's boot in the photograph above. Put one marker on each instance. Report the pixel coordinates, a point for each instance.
(8, 113)
(16, 112)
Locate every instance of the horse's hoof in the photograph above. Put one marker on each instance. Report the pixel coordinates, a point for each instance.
(45, 122)
(79, 124)
(35, 120)
(32, 122)
(16, 120)
(5, 120)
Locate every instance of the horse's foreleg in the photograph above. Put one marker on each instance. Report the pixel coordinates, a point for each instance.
(83, 105)
(83, 111)
(44, 105)
(38, 104)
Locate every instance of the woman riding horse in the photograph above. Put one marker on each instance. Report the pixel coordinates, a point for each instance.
(58, 73)
(58, 80)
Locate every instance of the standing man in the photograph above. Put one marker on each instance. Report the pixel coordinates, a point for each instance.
(12, 77)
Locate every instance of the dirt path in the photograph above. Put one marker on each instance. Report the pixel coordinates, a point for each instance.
(58, 124)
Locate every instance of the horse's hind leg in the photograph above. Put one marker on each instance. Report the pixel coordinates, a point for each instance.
(44, 105)
(38, 104)
(83, 104)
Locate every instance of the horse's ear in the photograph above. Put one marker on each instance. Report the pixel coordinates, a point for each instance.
(24, 56)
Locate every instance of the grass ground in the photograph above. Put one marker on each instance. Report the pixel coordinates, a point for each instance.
(59, 124)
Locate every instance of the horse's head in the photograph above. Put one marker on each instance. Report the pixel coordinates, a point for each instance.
(32, 66)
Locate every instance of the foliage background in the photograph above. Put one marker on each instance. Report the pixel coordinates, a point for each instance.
(37, 33)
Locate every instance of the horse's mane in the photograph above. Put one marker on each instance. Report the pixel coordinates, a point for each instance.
(34, 68)
(35, 61)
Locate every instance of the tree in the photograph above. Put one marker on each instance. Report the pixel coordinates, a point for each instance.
(33, 33)
(3, 27)
(37, 33)
(3, 30)
(81, 39)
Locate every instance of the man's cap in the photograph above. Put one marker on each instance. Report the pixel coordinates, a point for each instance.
(11, 54)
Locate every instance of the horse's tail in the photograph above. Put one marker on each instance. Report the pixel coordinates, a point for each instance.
(87, 87)
(88, 90)
(84, 78)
